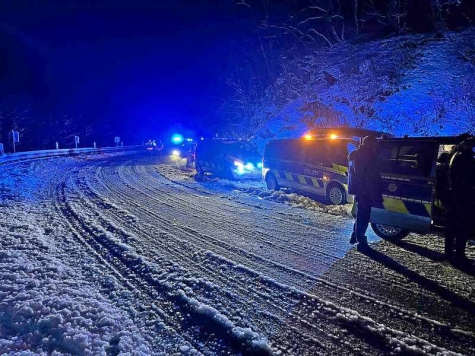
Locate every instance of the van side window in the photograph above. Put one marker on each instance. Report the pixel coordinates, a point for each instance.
(338, 152)
(317, 154)
(288, 150)
(411, 159)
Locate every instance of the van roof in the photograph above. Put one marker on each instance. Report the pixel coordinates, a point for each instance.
(304, 139)
(346, 132)
(448, 140)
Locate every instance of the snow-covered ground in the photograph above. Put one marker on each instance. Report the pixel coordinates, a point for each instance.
(124, 254)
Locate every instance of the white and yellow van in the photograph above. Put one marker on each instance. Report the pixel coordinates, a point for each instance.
(316, 163)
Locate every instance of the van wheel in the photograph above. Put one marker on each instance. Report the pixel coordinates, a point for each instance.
(389, 232)
(336, 194)
(272, 182)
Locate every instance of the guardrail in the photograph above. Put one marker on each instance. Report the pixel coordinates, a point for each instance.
(30, 155)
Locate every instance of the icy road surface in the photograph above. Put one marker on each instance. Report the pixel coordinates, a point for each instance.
(114, 254)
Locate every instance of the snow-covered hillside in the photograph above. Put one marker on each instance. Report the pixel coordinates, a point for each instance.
(414, 85)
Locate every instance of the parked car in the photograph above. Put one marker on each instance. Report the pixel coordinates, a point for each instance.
(228, 158)
(187, 151)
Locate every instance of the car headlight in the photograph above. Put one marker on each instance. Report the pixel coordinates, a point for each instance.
(238, 164)
(249, 166)
(259, 165)
(176, 153)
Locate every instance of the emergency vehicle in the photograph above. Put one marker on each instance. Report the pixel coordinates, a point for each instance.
(408, 182)
(185, 151)
(228, 158)
(316, 163)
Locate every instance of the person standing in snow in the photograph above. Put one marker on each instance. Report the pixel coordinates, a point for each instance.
(461, 210)
(364, 176)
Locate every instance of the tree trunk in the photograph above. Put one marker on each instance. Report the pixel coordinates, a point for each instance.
(393, 15)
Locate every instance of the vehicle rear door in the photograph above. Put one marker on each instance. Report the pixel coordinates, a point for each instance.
(407, 183)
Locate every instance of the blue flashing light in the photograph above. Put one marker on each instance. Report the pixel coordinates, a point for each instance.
(177, 139)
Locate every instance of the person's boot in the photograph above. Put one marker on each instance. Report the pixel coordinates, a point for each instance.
(353, 238)
(363, 247)
(459, 259)
(363, 240)
(362, 243)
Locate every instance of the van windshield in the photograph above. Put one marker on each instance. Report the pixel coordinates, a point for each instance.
(240, 147)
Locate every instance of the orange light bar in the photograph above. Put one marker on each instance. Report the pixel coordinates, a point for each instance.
(308, 137)
(333, 136)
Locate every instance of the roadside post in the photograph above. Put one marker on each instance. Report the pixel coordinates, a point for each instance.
(57, 145)
(76, 141)
(15, 139)
(94, 144)
(117, 140)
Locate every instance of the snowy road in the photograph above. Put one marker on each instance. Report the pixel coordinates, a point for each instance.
(119, 253)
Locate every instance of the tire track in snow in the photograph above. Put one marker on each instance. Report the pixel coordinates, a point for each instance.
(207, 272)
(326, 332)
(431, 286)
(132, 268)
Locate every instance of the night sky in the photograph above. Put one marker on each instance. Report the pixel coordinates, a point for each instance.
(146, 65)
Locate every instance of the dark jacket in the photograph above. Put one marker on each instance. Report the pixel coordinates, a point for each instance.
(462, 176)
(364, 173)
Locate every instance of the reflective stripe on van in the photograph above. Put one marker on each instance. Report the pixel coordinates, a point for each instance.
(338, 168)
(208, 164)
(298, 178)
(407, 206)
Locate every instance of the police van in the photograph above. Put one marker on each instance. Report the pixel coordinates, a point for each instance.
(408, 183)
(316, 163)
(228, 158)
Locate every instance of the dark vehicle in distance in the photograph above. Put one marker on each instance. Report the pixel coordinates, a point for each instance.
(228, 158)
(187, 151)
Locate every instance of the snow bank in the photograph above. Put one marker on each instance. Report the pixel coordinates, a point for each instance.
(48, 306)
(286, 196)
(252, 342)
(256, 188)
